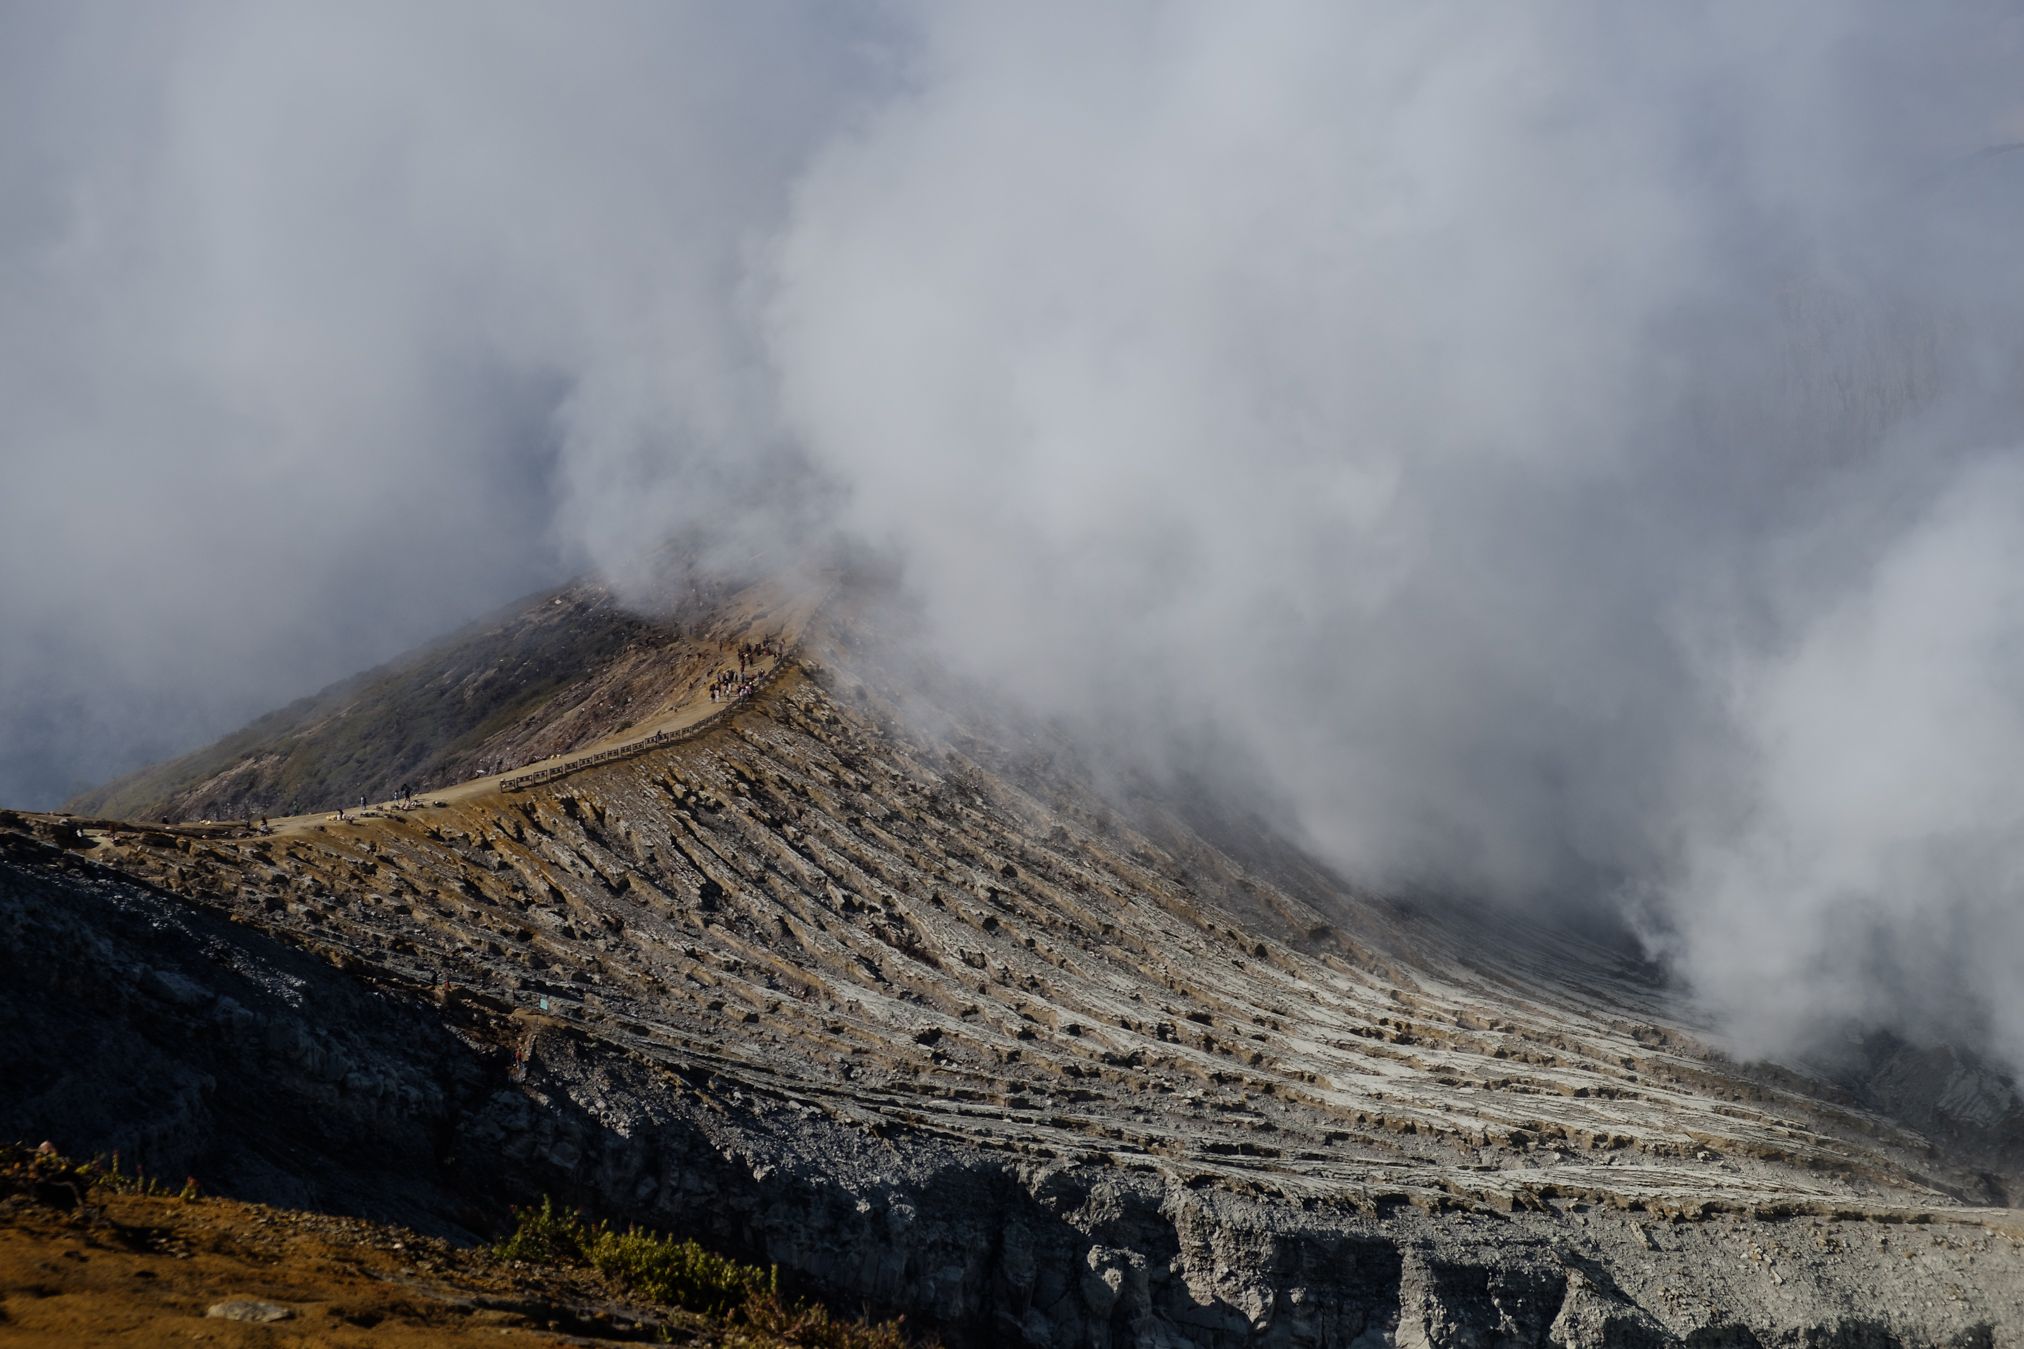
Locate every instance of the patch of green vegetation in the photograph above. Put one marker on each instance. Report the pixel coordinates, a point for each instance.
(56, 1181)
(682, 1274)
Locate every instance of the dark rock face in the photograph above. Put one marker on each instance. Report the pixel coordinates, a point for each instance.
(971, 1051)
(191, 1045)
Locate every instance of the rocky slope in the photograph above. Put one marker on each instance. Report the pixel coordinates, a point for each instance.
(938, 1027)
(549, 675)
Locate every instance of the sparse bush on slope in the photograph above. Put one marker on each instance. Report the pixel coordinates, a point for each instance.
(684, 1275)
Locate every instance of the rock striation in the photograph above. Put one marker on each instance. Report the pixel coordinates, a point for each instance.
(944, 1031)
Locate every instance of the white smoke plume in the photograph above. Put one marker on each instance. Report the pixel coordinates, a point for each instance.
(1574, 450)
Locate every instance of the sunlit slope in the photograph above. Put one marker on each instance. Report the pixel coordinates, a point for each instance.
(546, 676)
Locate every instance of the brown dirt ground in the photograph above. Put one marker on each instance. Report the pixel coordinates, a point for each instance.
(141, 1269)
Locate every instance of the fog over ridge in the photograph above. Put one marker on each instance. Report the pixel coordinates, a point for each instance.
(1573, 451)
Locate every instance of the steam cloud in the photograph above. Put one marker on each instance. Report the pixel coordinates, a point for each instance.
(1573, 450)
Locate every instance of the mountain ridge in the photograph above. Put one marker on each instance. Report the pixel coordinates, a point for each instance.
(543, 676)
(948, 1031)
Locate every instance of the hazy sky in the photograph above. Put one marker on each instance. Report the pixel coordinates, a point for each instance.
(1573, 450)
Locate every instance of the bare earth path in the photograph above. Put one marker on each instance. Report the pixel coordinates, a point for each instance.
(689, 711)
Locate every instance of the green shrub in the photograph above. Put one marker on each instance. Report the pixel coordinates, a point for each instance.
(544, 1237)
(51, 1178)
(678, 1273)
(659, 1268)
(810, 1325)
(685, 1275)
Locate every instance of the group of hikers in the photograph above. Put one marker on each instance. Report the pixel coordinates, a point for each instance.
(726, 686)
(403, 800)
(731, 685)
(750, 652)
